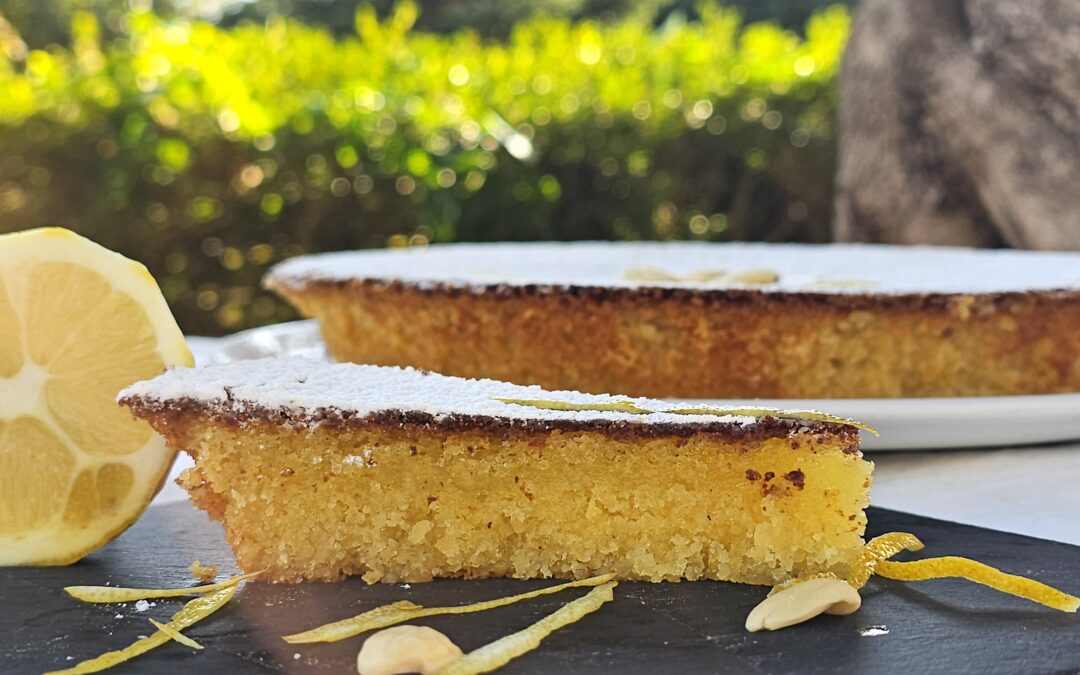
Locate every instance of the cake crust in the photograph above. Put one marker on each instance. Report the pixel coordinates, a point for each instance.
(422, 422)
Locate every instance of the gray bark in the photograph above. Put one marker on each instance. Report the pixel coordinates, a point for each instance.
(960, 124)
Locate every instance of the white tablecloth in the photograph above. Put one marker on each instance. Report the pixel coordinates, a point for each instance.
(1032, 491)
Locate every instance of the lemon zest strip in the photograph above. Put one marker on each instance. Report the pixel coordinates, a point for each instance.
(874, 559)
(191, 613)
(634, 409)
(799, 415)
(497, 654)
(879, 549)
(545, 404)
(400, 612)
(964, 568)
(100, 594)
(175, 634)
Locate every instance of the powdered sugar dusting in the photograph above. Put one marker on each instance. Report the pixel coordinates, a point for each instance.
(834, 269)
(306, 386)
(873, 631)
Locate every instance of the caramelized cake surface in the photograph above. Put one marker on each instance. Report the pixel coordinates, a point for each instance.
(321, 470)
(697, 320)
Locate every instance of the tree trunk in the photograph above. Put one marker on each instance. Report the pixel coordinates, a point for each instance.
(960, 124)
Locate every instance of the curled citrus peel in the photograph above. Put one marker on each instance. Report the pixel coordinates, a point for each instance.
(963, 568)
(191, 613)
(400, 612)
(874, 559)
(102, 594)
(634, 409)
(497, 654)
(878, 549)
(875, 555)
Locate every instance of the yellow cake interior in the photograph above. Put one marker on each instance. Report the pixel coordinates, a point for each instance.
(410, 503)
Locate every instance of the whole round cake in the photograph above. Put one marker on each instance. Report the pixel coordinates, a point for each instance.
(702, 320)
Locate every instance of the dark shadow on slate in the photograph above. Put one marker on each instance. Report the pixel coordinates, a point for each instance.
(946, 626)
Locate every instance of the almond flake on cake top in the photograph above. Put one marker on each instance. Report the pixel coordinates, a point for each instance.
(799, 268)
(308, 389)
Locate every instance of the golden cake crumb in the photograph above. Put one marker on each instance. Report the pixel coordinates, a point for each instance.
(203, 573)
(401, 505)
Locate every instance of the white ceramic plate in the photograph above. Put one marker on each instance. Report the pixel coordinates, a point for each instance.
(904, 423)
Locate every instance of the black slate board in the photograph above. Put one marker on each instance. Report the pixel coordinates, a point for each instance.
(946, 626)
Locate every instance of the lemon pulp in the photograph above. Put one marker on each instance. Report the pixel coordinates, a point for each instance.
(77, 324)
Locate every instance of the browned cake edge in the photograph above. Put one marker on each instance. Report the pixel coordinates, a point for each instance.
(707, 343)
(164, 414)
(948, 302)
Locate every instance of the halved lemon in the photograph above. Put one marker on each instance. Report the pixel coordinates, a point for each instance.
(78, 323)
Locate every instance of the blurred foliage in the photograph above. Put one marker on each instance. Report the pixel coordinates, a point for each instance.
(46, 22)
(496, 18)
(210, 153)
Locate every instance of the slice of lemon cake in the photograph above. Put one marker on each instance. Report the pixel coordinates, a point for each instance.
(320, 470)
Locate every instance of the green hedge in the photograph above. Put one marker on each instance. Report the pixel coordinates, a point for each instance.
(211, 153)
